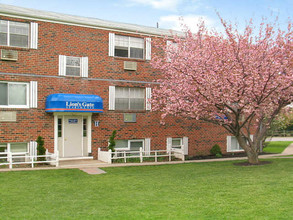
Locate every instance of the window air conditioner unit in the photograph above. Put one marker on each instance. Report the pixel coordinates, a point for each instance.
(11, 55)
(130, 65)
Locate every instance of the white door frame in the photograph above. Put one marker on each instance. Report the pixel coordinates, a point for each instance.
(89, 129)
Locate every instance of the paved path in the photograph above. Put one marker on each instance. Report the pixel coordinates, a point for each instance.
(288, 150)
(280, 139)
(92, 170)
(93, 166)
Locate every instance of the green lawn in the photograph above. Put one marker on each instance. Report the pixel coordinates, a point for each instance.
(276, 146)
(217, 190)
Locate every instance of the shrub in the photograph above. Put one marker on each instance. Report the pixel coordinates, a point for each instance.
(218, 155)
(40, 148)
(216, 150)
(112, 142)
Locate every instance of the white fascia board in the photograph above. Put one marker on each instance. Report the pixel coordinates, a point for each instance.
(39, 15)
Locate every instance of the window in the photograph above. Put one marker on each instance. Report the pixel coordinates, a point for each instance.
(232, 144)
(125, 98)
(59, 127)
(129, 98)
(132, 145)
(18, 148)
(3, 148)
(130, 47)
(14, 34)
(176, 143)
(121, 144)
(172, 48)
(84, 126)
(19, 34)
(73, 66)
(14, 95)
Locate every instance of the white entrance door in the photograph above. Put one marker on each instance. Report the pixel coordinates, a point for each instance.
(73, 133)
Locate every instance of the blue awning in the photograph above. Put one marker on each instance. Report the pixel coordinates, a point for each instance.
(74, 103)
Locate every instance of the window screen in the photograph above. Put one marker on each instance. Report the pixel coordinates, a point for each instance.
(129, 98)
(18, 147)
(14, 94)
(73, 66)
(15, 34)
(130, 47)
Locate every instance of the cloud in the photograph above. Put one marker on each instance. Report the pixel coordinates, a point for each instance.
(8, 2)
(176, 22)
(170, 5)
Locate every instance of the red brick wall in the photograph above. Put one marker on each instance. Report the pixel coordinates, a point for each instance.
(59, 39)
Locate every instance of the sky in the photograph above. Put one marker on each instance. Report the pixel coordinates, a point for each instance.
(169, 14)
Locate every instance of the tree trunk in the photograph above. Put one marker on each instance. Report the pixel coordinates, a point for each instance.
(252, 157)
(250, 149)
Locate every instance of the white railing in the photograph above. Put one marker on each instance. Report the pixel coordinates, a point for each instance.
(104, 156)
(10, 159)
(109, 156)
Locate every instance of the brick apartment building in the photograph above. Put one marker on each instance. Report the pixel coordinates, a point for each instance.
(73, 80)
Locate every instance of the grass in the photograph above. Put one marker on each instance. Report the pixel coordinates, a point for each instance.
(217, 190)
(276, 146)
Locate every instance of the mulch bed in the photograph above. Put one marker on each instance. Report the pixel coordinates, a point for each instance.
(26, 165)
(230, 155)
(246, 164)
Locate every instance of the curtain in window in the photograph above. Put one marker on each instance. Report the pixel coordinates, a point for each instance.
(3, 94)
(136, 96)
(121, 41)
(73, 66)
(18, 34)
(17, 94)
(234, 143)
(121, 144)
(135, 146)
(18, 147)
(121, 98)
(3, 32)
(136, 47)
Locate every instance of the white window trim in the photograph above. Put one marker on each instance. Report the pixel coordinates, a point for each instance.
(79, 67)
(129, 142)
(80, 60)
(8, 34)
(112, 98)
(148, 96)
(83, 67)
(27, 96)
(144, 47)
(181, 142)
(136, 140)
(128, 109)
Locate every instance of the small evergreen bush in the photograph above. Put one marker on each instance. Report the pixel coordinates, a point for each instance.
(218, 155)
(112, 142)
(216, 150)
(41, 150)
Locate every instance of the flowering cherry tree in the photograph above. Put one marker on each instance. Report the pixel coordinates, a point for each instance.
(238, 80)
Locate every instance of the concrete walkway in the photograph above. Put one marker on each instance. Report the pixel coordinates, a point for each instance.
(288, 150)
(91, 166)
(279, 139)
(92, 170)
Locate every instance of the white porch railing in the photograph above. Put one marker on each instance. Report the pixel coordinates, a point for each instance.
(10, 159)
(109, 156)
